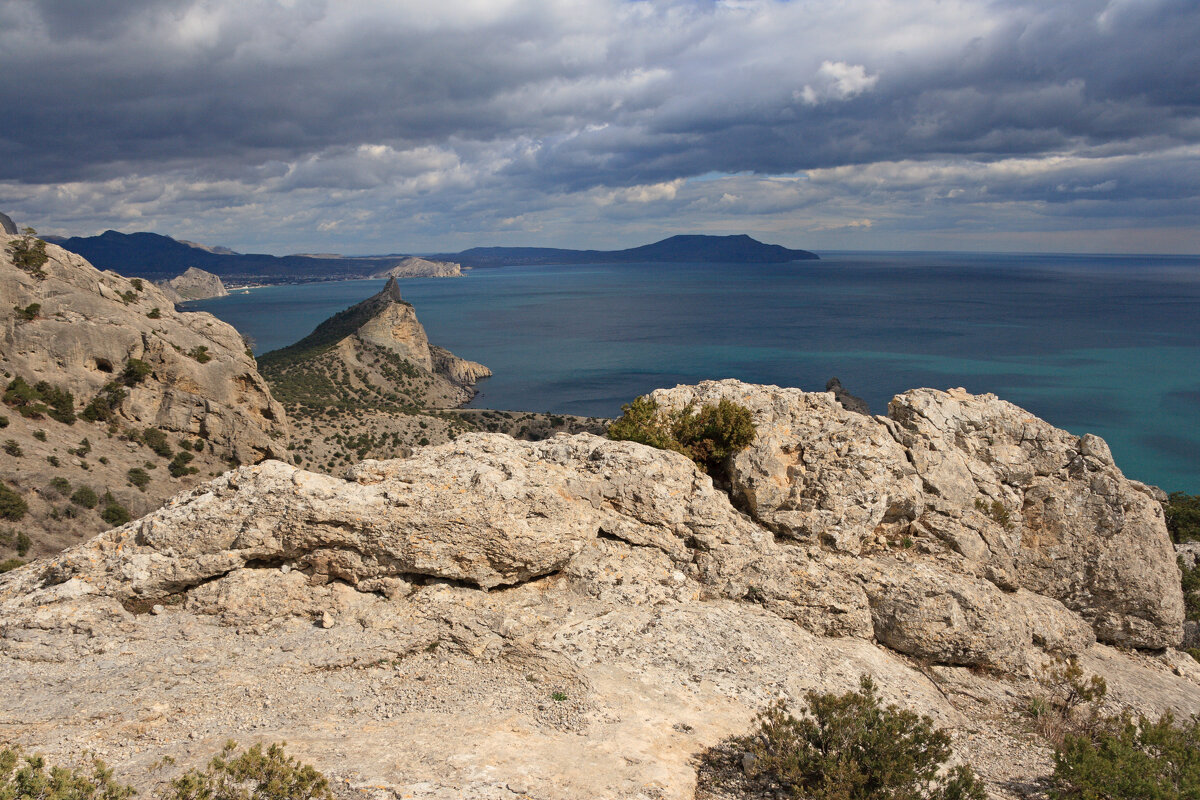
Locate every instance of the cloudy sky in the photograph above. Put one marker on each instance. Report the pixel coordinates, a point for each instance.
(421, 125)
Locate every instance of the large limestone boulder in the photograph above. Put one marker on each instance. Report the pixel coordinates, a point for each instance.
(569, 618)
(1015, 500)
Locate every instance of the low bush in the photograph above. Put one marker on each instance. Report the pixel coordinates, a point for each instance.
(138, 477)
(154, 313)
(12, 506)
(9, 564)
(250, 775)
(29, 312)
(39, 400)
(200, 353)
(1068, 702)
(1183, 516)
(61, 485)
(708, 435)
(13, 448)
(156, 440)
(114, 513)
(179, 465)
(86, 497)
(29, 254)
(103, 406)
(1130, 760)
(851, 747)
(135, 371)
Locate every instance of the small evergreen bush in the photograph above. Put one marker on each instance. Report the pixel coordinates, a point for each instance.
(708, 435)
(135, 371)
(12, 506)
(1183, 516)
(851, 747)
(114, 513)
(1130, 760)
(138, 477)
(103, 406)
(86, 497)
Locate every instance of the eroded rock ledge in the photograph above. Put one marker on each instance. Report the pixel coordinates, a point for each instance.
(959, 530)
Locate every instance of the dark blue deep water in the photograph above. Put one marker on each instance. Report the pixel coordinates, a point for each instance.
(1102, 344)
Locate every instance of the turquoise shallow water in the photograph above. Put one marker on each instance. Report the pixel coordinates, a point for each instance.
(1102, 344)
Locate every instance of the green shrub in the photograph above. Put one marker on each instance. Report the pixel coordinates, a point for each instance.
(114, 513)
(29, 312)
(26, 778)
(9, 564)
(61, 485)
(84, 496)
(23, 543)
(996, 510)
(1191, 590)
(156, 440)
(154, 314)
(708, 436)
(39, 435)
(103, 406)
(1068, 701)
(850, 747)
(252, 775)
(12, 506)
(135, 371)
(179, 465)
(13, 448)
(3, 422)
(1183, 516)
(200, 353)
(1130, 760)
(29, 254)
(137, 284)
(138, 477)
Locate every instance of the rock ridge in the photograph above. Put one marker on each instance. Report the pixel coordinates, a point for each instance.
(578, 617)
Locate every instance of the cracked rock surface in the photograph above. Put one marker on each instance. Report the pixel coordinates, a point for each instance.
(579, 617)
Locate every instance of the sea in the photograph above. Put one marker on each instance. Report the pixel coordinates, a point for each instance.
(1098, 344)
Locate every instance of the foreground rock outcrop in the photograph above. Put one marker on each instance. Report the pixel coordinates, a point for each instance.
(78, 329)
(579, 617)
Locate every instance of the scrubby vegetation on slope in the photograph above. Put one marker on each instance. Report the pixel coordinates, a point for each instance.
(708, 435)
(842, 747)
(250, 775)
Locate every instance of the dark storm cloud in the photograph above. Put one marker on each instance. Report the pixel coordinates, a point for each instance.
(493, 115)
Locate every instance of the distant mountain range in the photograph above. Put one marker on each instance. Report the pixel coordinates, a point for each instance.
(158, 257)
(697, 249)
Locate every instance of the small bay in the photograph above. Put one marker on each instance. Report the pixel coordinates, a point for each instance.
(1102, 344)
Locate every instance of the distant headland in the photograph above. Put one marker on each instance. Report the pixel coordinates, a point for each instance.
(158, 257)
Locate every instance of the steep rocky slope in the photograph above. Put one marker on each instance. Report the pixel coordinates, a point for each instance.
(196, 284)
(370, 366)
(118, 347)
(415, 267)
(580, 617)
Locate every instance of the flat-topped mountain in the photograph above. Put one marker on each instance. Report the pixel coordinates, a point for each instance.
(109, 389)
(684, 248)
(585, 618)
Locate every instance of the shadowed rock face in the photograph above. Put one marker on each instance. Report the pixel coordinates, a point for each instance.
(7, 225)
(425, 612)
